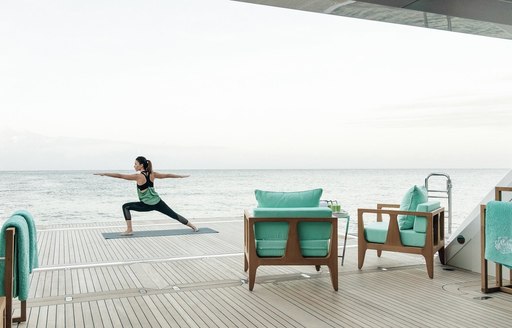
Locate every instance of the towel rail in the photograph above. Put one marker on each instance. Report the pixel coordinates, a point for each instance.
(499, 285)
(8, 280)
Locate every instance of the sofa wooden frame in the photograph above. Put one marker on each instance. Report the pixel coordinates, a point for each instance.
(8, 280)
(499, 286)
(434, 239)
(292, 254)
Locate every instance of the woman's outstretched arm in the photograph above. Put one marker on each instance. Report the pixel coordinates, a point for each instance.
(120, 176)
(168, 175)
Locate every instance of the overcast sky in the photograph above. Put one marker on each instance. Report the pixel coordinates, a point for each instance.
(222, 84)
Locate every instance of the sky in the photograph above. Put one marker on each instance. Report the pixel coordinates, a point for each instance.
(216, 84)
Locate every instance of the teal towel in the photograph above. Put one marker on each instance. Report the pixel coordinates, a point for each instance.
(32, 242)
(21, 257)
(498, 233)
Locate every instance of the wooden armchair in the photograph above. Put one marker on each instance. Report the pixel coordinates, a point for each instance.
(294, 253)
(386, 236)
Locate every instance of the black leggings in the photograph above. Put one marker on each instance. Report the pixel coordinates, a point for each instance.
(161, 207)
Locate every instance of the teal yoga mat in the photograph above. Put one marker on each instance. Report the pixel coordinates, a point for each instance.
(157, 233)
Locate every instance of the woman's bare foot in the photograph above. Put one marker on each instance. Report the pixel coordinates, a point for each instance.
(193, 227)
(127, 233)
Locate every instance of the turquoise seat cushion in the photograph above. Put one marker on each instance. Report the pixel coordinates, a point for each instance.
(314, 248)
(420, 222)
(414, 196)
(270, 248)
(273, 199)
(297, 212)
(411, 238)
(376, 232)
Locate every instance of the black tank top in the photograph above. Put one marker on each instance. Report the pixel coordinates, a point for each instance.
(148, 182)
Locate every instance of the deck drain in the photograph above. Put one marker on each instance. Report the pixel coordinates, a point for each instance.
(244, 281)
(68, 298)
(175, 288)
(305, 275)
(143, 291)
(482, 298)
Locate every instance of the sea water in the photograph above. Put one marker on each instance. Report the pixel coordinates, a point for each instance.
(55, 197)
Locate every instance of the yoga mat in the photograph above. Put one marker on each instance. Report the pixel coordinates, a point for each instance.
(158, 233)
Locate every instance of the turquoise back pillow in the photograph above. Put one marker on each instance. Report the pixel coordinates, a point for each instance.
(308, 198)
(414, 196)
(420, 222)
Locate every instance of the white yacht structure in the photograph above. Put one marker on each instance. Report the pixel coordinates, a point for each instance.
(492, 18)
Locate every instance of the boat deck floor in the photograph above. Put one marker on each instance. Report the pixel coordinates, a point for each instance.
(198, 280)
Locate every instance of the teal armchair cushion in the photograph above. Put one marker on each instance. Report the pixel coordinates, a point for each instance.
(314, 238)
(414, 196)
(314, 248)
(271, 237)
(420, 222)
(297, 212)
(411, 238)
(376, 232)
(273, 199)
(270, 248)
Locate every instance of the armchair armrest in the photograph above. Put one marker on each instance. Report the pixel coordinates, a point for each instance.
(381, 206)
(434, 231)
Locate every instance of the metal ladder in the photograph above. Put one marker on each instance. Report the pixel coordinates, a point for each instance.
(432, 193)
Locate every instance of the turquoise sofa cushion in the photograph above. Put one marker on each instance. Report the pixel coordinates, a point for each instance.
(376, 232)
(420, 222)
(308, 198)
(297, 212)
(314, 248)
(414, 196)
(411, 238)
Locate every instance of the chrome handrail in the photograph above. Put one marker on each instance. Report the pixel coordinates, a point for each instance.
(448, 191)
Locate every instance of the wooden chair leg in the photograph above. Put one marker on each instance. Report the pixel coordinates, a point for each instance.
(252, 277)
(441, 256)
(317, 267)
(333, 269)
(379, 253)
(361, 252)
(430, 266)
(246, 264)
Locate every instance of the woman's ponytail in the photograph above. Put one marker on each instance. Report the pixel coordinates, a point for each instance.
(149, 166)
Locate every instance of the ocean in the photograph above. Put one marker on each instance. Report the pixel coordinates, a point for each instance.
(56, 197)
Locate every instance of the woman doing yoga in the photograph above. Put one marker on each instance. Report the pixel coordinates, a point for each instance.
(149, 199)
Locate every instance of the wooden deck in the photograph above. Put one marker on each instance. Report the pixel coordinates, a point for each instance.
(198, 281)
